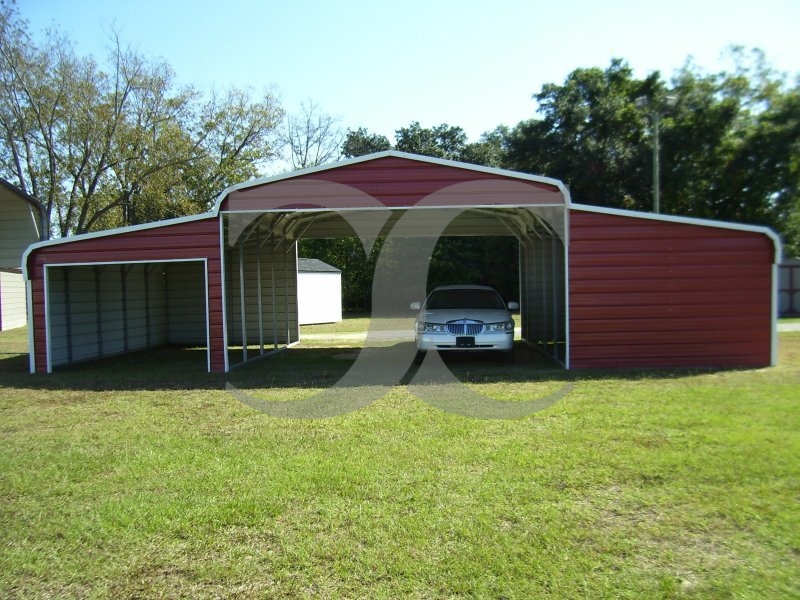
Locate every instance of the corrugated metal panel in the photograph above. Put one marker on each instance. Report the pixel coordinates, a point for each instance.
(103, 310)
(73, 323)
(192, 239)
(393, 181)
(650, 293)
(113, 317)
(186, 303)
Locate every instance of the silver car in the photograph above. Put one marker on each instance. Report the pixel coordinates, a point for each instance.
(464, 318)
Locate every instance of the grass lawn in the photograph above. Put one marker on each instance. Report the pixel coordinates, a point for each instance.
(141, 477)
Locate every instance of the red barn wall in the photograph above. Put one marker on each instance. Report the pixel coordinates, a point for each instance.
(654, 293)
(196, 238)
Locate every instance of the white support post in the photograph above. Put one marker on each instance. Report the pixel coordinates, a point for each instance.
(286, 296)
(260, 299)
(543, 283)
(554, 269)
(274, 299)
(242, 302)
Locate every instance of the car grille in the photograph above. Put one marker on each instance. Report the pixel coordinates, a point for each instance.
(464, 327)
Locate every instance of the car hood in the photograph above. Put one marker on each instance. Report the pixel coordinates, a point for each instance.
(446, 315)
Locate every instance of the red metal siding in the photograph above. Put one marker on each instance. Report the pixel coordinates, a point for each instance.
(189, 239)
(650, 293)
(393, 181)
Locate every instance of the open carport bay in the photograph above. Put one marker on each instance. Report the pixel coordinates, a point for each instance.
(261, 266)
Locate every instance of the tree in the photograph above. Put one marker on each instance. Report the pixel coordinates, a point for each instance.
(103, 148)
(490, 150)
(729, 145)
(312, 136)
(441, 141)
(735, 145)
(774, 152)
(458, 260)
(361, 142)
(590, 136)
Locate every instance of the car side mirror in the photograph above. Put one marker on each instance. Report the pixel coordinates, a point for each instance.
(416, 305)
(513, 306)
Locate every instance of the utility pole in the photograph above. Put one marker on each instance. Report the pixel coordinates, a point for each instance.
(655, 114)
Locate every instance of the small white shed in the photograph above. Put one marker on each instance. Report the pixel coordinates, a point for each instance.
(319, 292)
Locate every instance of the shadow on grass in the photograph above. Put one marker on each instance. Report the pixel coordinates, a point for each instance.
(182, 368)
(169, 367)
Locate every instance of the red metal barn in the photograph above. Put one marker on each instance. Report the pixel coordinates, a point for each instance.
(598, 287)
(653, 291)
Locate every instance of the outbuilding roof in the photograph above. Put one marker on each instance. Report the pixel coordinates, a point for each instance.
(314, 265)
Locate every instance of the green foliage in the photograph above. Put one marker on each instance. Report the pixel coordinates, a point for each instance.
(103, 147)
(481, 260)
(361, 142)
(489, 150)
(490, 261)
(729, 144)
(441, 141)
(590, 136)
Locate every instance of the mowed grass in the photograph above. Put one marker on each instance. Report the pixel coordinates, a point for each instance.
(141, 477)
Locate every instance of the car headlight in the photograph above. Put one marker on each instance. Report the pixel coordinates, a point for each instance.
(430, 327)
(504, 326)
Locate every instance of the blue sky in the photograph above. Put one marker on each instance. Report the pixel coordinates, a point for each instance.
(381, 65)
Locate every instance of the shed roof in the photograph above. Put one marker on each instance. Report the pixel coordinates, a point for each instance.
(314, 265)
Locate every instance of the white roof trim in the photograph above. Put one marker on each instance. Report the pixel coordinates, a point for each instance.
(776, 240)
(395, 154)
(389, 208)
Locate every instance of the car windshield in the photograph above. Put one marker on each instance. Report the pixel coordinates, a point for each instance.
(485, 299)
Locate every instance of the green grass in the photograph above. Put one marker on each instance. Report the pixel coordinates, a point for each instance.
(350, 324)
(140, 477)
